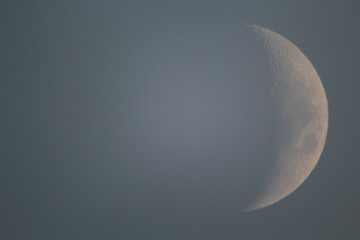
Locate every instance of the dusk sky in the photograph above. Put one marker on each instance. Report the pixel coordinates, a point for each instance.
(114, 115)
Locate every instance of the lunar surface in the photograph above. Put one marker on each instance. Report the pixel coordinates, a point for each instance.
(226, 119)
(303, 117)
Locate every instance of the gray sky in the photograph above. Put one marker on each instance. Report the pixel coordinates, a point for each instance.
(86, 85)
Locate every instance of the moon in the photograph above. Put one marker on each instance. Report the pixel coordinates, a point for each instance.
(302, 111)
(213, 122)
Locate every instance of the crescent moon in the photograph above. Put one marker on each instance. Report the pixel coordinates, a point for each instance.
(303, 117)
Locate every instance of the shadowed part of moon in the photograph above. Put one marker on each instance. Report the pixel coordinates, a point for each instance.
(302, 117)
